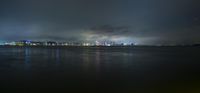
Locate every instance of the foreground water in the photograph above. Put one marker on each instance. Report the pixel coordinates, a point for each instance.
(100, 69)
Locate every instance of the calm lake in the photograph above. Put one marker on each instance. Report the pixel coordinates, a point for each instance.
(100, 69)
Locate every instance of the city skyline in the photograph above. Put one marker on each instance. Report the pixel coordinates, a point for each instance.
(83, 43)
(65, 43)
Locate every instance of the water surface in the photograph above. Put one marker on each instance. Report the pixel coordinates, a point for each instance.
(100, 69)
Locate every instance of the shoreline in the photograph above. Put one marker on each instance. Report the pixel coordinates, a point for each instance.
(89, 46)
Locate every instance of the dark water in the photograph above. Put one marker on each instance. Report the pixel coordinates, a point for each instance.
(102, 70)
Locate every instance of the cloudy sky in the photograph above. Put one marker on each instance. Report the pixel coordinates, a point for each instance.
(139, 21)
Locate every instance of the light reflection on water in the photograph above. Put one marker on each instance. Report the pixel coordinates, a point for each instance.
(27, 58)
(113, 69)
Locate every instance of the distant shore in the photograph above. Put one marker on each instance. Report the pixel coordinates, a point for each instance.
(95, 46)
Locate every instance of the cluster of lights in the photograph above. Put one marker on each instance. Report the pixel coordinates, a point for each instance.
(52, 43)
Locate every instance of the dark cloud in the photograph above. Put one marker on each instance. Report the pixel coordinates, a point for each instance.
(110, 30)
(141, 21)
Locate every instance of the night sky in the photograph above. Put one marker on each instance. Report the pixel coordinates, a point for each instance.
(138, 21)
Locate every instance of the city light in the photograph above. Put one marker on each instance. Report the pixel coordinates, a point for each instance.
(56, 43)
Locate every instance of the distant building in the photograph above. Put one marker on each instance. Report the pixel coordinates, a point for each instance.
(10, 43)
(25, 42)
(51, 43)
(97, 43)
(34, 43)
(19, 43)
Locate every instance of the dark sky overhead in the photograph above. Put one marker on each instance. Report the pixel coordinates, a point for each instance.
(139, 21)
